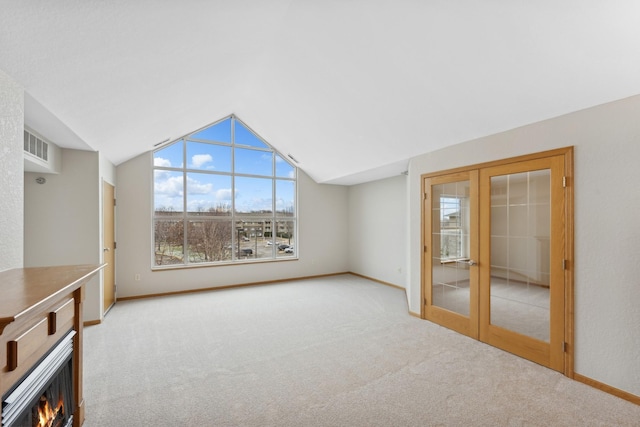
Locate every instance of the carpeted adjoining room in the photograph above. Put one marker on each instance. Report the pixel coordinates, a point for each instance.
(331, 351)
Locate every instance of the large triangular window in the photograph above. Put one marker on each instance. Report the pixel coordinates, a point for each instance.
(222, 194)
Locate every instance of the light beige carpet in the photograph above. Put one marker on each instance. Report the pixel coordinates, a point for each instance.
(336, 351)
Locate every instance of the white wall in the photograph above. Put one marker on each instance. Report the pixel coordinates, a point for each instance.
(607, 233)
(11, 177)
(378, 237)
(62, 219)
(322, 232)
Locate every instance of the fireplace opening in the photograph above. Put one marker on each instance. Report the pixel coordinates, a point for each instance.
(45, 397)
(54, 407)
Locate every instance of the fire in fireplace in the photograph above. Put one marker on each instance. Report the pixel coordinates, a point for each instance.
(52, 408)
(45, 397)
(46, 415)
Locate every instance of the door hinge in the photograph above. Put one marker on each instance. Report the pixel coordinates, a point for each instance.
(564, 264)
(425, 248)
(564, 347)
(564, 182)
(114, 202)
(114, 246)
(426, 196)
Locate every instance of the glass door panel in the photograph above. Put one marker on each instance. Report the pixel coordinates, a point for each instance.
(520, 251)
(450, 233)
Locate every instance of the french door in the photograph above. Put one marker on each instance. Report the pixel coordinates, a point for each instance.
(497, 241)
(451, 213)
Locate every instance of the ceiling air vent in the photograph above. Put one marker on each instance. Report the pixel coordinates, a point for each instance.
(36, 146)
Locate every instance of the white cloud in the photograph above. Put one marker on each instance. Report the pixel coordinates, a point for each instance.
(196, 187)
(224, 194)
(170, 187)
(159, 161)
(254, 204)
(280, 203)
(201, 159)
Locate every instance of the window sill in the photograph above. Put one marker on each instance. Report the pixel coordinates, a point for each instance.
(156, 268)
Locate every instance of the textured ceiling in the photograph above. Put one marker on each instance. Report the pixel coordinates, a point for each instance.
(351, 89)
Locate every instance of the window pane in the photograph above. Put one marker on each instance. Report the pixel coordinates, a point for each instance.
(518, 188)
(220, 132)
(209, 157)
(521, 253)
(268, 242)
(254, 195)
(209, 241)
(208, 194)
(284, 168)
(254, 238)
(168, 192)
(253, 162)
(170, 156)
(450, 229)
(285, 239)
(285, 198)
(244, 136)
(168, 242)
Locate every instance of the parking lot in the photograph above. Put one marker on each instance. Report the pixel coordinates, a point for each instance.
(263, 248)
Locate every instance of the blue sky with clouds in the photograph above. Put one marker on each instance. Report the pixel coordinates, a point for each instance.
(211, 186)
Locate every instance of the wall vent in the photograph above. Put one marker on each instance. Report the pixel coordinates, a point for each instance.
(36, 146)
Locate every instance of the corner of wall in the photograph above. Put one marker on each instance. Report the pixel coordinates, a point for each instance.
(12, 176)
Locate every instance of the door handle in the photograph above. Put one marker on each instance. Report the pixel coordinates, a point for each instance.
(467, 261)
(105, 250)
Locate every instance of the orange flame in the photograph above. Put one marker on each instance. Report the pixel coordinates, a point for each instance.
(46, 413)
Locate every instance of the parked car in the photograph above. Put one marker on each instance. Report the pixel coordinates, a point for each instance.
(282, 247)
(246, 252)
(289, 250)
(269, 243)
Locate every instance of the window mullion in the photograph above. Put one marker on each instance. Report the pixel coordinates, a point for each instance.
(185, 212)
(235, 237)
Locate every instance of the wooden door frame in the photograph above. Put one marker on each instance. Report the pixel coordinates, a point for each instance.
(567, 152)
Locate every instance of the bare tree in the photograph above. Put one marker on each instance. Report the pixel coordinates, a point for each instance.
(168, 237)
(210, 239)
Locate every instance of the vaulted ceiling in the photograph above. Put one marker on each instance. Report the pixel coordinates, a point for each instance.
(350, 88)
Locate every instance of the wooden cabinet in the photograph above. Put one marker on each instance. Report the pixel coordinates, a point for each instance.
(38, 306)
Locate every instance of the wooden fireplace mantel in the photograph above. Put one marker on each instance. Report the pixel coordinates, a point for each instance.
(38, 306)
